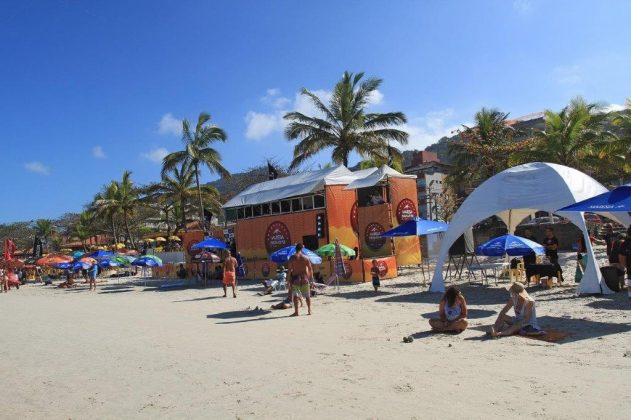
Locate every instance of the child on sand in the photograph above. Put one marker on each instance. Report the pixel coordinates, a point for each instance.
(375, 275)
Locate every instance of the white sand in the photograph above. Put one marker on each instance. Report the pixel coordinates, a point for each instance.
(126, 352)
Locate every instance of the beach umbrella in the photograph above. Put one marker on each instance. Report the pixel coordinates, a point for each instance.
(149, 240)
(119, 245)
(328, 250)
(175, 238)
(417, 227)
(100, 254)
(207, 257)
(107, 263)
(63, 266)
(77, 254)
(78, 265)
(210, 243)
(618, 199)
(51, 260)
(88, 260)
(282, 255)
(65, 250)
(146, 261)
(131, 252)
(160, 239)
(509, 245)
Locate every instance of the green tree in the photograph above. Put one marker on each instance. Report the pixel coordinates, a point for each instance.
(108, 194)
(82, 228)
(344, 125)
(572, 137)
(198, 152)
(45, 229)
(483, 150)
(615, 151)
(122, 198)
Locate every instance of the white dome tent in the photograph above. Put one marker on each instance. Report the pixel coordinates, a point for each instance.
(520, 191)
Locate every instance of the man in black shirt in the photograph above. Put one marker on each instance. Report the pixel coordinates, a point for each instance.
(609, 238)
(552, 244)
(625, 258)
(530, 258)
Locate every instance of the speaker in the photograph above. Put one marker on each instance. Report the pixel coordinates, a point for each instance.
(310, 242)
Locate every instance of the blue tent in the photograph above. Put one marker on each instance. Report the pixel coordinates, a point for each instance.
(100, 254)
(417, 227)
(509, 244)
(618, 199)
(282, 255)
(210, 243)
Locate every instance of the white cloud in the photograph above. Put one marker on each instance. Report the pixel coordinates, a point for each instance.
(169, 125)
(155, 155)
(430, 128)
(375, 97)
(97, 152)
(613, 108)
(37, 167)
(274, 99)
(523, 7)
(567, 75)
(260, 125)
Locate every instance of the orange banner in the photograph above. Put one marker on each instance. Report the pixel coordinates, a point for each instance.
(373, 222)
(387, 268)
(404, 207)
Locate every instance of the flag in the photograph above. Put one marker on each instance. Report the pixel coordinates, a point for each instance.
(272, 173)
(340, 268)
(9, 249)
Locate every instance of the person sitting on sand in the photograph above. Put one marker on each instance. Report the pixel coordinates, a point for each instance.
(525, 319)
(230, 275)
(452, 311)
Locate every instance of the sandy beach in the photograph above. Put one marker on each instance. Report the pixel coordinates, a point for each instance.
(130, 351)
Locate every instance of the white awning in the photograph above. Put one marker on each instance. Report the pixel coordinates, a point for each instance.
(373, 176)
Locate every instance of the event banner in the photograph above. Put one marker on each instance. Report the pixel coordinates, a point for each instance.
(404, 207)
(373, 222)
(341, 213)
(387, 268)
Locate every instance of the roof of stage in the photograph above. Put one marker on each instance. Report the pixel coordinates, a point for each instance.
(310, 182)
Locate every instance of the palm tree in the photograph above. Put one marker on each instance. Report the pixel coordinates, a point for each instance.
(571, 137)
(177, 188)
(482, 151)
(108, 212)
(45, 228)
(344, 124)
(123, 200)
(198, 152)
(616, 152)
(82, 228)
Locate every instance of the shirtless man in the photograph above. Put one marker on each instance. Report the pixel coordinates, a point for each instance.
(230, 274)
(300, 275)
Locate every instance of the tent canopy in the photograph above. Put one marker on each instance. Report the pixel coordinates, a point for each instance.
(372, 176)
(519, 191)
(310, 182)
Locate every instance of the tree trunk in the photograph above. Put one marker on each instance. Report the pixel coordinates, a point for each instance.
(127, 231)
(201, 203)
(113, 229)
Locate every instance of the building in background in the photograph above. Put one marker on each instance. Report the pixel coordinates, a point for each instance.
(430, 177)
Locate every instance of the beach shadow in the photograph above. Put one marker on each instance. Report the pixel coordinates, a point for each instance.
(471, 314)
(406, 285)
(579, 329)
(263, 318)
(616, 302)
(239, 314)
(198, 299)
(360, 294)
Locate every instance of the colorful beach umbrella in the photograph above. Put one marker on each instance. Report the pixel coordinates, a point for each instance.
(160, 239)
(328, 250)
(148, 261)
(77, 254)
(283, 255)
(210, 243)
(78, 265)
(51, 260)
(88, 260)
(100, 254)
(207, 257)
(417, 227)
(175, 238)
(63, 266)
(119, 245)
(509, 245)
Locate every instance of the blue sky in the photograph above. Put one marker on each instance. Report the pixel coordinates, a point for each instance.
(89, 89)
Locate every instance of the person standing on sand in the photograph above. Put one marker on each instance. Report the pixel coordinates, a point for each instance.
(230, 274)
(300, 274)
(374, 271)
(92, 276)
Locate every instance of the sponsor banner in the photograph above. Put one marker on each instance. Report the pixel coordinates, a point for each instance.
(403, 195)
(373, 222)
(406, 210)
(373, 236)
(277, 236)
(387, 268)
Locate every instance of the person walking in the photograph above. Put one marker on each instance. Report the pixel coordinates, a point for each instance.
(230, 274)
(300, 275)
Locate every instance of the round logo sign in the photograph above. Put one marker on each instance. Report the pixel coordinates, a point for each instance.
(193, 251)
(354, 220)
(373, 237)
(265, 270)
(406, 210)
(276, 237)
(383, 268)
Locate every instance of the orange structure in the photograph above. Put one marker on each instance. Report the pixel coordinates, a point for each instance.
(316, 208)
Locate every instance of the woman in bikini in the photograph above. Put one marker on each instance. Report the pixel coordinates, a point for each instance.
(452, 311)
(525, 319)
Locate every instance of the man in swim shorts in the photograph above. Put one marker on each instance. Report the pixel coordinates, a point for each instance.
(230, 274)
(300, 274)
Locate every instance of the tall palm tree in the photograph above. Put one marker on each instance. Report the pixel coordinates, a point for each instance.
(178, 188)
(108, 212)
(344, 124)
(82, 229)
(45, 228)
(482, 151)
(616, 150)
(198, 152)
(123, 200)
(571, 137)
